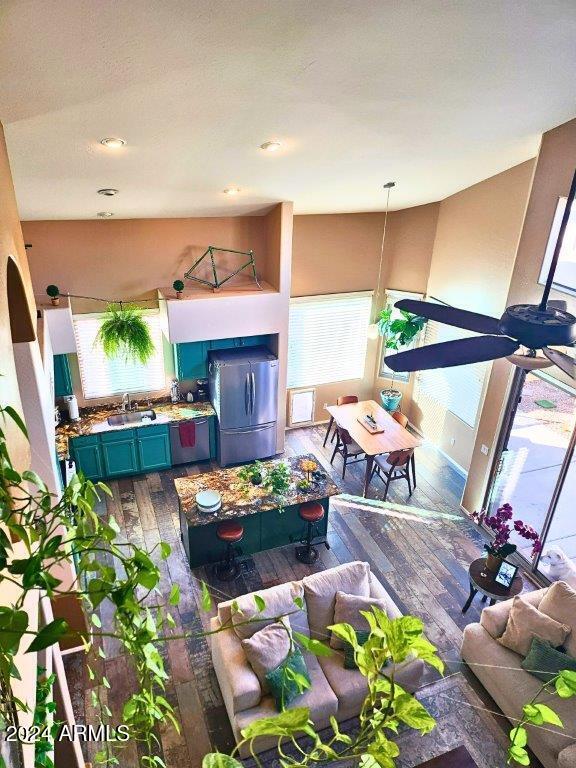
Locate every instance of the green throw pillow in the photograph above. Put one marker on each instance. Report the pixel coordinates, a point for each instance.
(349, 660)
(283, 687)
(544, 661)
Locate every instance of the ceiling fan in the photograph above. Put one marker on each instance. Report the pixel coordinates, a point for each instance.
(532, 326)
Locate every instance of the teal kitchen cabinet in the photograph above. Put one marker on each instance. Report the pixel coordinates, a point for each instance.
(153, 448)
(87, 454)
(62, 377)
(119, 453)
(191, 360)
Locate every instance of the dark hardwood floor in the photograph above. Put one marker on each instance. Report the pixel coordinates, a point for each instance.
(420, 550)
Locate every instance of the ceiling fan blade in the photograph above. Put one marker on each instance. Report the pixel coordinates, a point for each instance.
(460, 318)
(448, 353)
(563, 361)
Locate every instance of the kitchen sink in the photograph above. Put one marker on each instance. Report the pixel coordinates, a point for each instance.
(131, 417)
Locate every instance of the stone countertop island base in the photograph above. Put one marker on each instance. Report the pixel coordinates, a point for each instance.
(268, 521)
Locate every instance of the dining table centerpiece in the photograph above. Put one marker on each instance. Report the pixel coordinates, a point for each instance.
(503, 524)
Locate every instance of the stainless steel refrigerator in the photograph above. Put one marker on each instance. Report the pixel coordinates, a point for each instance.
(244, 393)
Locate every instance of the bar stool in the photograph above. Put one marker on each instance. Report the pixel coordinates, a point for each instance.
(312, 512)
(230, 532)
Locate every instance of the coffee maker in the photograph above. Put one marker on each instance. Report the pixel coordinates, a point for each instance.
(202, 390)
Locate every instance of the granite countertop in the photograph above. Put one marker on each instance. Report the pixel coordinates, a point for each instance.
(93, 420)
(240, 499)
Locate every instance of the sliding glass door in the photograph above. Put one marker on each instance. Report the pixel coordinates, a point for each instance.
(535, 473)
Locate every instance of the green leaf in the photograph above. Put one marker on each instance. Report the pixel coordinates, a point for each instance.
(566, 684)
(548, 715)
(48, 635)
(519, 755)
(260, 603)
(299, 603)
(206, 598)
(165, 549)
(345, 632)
(13, 624)
(410, 711)
(519, 736)
(97, 590)
(312, 645)
(174, 597)
(16, 419)
(289, 722)
(95, 619)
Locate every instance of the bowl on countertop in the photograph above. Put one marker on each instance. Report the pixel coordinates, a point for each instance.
(208, 501)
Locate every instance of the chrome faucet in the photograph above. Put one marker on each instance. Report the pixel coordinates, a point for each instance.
(126, 402)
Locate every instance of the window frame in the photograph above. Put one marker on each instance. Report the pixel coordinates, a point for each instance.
(392, 296)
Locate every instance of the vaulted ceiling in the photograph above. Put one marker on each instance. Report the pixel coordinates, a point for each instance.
(434, 95)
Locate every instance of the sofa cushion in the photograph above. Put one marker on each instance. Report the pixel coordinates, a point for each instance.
(526, 622)
(495, 618)
(347, 611)
(279, 601)
(350, 685)
(544, 661)
(559, 603)
(268, 648)
(319, 698)
(320, 593)
(239, 685)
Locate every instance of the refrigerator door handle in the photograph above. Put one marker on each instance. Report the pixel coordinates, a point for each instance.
(247, 398)
(249, 431)
(253, 389)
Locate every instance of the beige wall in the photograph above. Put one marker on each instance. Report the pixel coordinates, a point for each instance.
(553, 174)
(337, 253)
(132, 258)
(472, 262)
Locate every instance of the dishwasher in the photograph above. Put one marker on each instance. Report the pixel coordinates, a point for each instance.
(200, 451)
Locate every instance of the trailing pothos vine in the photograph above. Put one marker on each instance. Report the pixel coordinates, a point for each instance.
(39, 531)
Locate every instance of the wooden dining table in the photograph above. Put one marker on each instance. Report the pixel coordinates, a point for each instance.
(393, 437)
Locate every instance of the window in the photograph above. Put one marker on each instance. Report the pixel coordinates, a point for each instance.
(565, 277)
(458, 389)
(386, 373)
(327, 338)
(102, 376)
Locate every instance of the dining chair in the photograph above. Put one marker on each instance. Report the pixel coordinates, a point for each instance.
(394, 466)
(349, 450)
(402, 419)
(342, 400)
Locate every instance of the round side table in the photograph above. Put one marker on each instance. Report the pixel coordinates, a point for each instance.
(488, 588)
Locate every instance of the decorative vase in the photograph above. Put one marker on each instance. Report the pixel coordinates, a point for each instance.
(178, 294)
(256, 479)
(55, 301)
(390, 399)
(493, 563)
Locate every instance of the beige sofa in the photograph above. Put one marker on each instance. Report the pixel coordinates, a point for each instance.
(334, 690)
(499, 671)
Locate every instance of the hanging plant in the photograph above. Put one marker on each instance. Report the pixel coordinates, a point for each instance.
(125, 332)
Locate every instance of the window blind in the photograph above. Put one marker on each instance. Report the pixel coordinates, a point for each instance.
(102, 376)
(458, 389)
(327, 338)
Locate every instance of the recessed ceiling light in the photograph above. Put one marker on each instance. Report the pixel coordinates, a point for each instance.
(271, 146)
(104, 214)
(232, 191)
(113, 143)
(108, 192)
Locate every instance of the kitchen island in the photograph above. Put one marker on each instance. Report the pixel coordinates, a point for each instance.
(268, 521)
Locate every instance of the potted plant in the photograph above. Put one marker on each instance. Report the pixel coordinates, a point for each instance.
(178, 286)
(124, 331)
(252, 473)
(397, 332)
(54, 292)
(502, 524)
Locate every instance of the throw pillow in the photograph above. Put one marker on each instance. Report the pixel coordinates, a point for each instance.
(347, 611)
(267, 649)
(320, 593)
(278, 602)
(349, 658)
(281, 682)
(526, 622)
(544, 661)
(559, 603)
